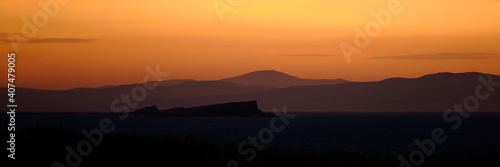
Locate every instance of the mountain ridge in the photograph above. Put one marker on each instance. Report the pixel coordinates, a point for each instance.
(432, 92)
(273, 78)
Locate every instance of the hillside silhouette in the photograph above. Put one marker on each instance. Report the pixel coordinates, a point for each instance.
(272, 78)
(433, 92)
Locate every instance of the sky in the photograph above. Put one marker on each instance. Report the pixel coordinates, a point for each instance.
(93, 43)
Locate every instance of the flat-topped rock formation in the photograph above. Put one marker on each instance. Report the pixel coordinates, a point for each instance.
(242, 109)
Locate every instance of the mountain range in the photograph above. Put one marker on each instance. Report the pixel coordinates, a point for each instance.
(273, 89)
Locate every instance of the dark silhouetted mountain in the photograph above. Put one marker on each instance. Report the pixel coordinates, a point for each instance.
(434, 92)
(171, 82)
(147, 110)
(244, 109)
(277, 79)
(429, 93)
(98, 100)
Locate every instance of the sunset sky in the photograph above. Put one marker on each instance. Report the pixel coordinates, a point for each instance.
(91, 43)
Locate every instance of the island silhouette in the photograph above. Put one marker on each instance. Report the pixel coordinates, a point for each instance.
(243, 109)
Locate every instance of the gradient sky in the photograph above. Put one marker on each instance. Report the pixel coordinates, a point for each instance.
(91, 43)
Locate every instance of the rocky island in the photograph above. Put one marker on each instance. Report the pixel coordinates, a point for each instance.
(239, 109)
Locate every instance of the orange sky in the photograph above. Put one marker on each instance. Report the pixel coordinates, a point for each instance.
(107, 42)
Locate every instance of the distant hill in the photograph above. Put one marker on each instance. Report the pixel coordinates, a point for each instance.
(207, 88)
(99, 99)
(429, 93)
(277, 79)
(171, 82)
(434, 92)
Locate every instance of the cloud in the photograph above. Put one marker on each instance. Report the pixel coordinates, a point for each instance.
(444, 56)
(52, 40)
(30, 57)
(4, 38)
(306, 55)
(61, 40)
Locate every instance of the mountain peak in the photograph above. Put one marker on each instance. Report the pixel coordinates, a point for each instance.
(449, 75)
(266, 74)
(267, 71)
(273, 78)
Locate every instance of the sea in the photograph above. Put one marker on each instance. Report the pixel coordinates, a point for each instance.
(367, 132)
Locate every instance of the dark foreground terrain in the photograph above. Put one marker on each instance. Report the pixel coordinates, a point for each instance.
(45, 146)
